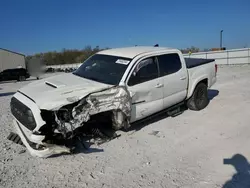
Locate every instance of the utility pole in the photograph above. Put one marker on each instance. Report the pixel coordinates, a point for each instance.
(221, 39)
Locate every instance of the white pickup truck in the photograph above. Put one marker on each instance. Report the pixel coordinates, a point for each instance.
(121, 85)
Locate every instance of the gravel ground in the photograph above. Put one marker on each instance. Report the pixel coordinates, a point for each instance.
(185, 151)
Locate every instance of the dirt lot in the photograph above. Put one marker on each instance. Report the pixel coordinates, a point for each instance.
(185, 151)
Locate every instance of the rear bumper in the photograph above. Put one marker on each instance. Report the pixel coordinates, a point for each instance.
(46, 151)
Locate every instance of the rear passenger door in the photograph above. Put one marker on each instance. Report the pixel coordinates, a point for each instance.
(146, 88)
(175, 79)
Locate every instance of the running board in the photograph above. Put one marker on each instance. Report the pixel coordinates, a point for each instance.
(175, 112)
(172, 111)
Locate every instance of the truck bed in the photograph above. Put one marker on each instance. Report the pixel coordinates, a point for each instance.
(194, 62)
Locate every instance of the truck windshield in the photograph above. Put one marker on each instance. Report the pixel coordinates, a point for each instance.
(103, 68)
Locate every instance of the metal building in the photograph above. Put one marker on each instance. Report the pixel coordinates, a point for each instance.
(10, 60)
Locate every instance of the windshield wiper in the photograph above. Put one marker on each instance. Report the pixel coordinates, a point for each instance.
(80, 75)
(94, 79)
(88, 77)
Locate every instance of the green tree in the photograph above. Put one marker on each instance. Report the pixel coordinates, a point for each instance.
(65, 56)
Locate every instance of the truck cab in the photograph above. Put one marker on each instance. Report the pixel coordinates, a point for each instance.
(156, 81)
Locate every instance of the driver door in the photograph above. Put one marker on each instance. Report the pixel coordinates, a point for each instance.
(146, 88)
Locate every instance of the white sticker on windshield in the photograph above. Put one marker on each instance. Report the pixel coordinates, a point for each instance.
(122, 61)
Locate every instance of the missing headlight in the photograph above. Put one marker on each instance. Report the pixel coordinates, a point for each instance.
(64, 115)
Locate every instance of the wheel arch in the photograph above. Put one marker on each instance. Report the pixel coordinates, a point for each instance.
(203, 79)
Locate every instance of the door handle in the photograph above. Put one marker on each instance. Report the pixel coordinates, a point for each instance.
(159, 85)
(183, 78)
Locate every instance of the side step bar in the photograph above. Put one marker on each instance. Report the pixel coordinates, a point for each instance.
(172, 111)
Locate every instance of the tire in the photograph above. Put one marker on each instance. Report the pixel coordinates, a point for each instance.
(21, 78)
(199, 100)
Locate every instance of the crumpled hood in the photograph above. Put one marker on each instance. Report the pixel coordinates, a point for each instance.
(56, 91)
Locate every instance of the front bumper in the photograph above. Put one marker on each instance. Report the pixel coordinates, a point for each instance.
(44, 150)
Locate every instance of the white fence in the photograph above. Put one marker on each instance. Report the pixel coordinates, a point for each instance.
(226, 57)
(64, 66)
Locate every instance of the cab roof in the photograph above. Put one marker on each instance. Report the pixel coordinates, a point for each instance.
(131, 52)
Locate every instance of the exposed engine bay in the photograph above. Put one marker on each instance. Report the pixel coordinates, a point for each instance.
(94, 115)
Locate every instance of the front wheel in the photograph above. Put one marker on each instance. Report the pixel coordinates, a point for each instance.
(199, 100)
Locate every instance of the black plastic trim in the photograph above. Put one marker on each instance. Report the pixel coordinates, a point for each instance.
(31, 144)
(20, 112)
(138, 102)
(194, 62)
(26, 96)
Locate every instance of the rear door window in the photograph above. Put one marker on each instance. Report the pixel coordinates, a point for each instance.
(169, 63)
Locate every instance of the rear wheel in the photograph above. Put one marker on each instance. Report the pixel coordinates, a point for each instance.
(199, 100)
(21, 78)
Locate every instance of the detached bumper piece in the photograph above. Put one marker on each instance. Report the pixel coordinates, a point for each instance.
(15, 138)
(38, 150)
(46, 150)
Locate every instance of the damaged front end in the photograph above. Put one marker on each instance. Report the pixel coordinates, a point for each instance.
(80, 116)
